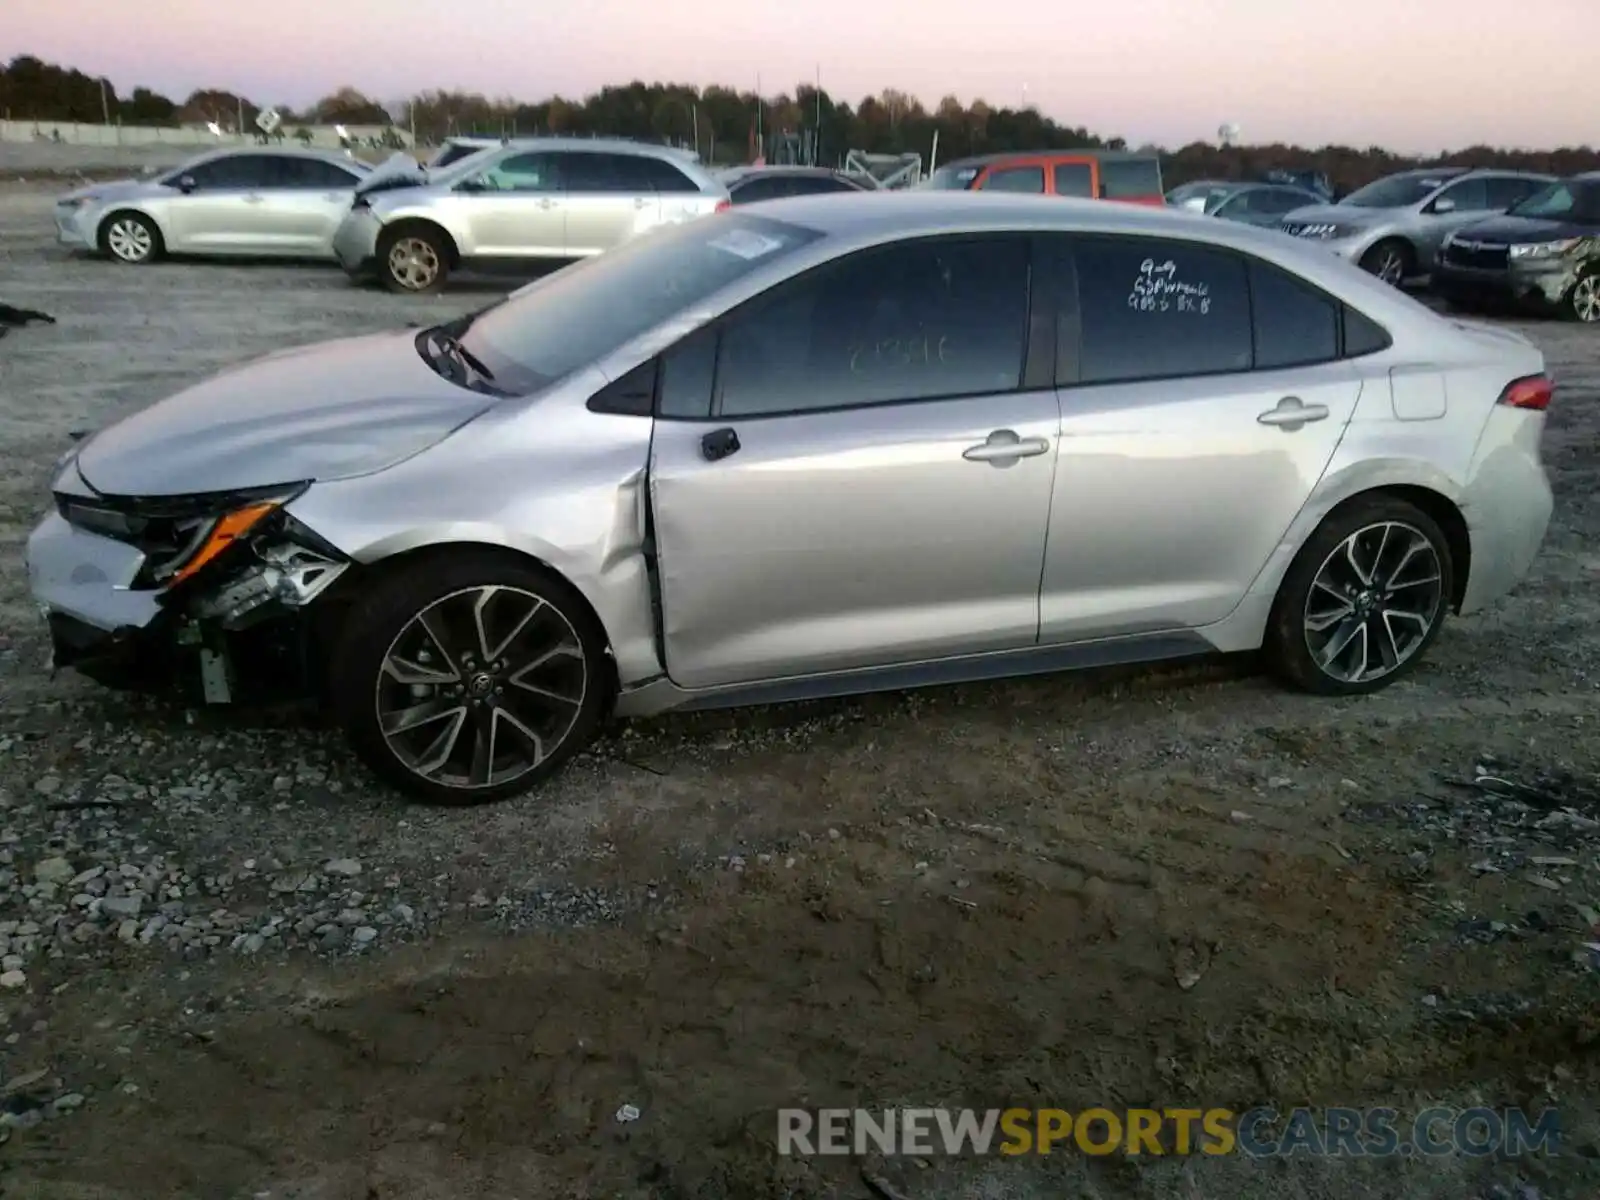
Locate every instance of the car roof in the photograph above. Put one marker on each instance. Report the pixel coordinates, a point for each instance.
(598, 145)
(739, 174)
(983, 160)
(338, 157)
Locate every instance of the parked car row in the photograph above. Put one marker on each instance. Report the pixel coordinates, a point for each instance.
(1479, 238)
(480, 204)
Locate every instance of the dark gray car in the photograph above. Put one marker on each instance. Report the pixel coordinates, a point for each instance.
(1395, 226)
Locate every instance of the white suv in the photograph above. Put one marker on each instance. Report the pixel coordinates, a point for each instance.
(528, 202)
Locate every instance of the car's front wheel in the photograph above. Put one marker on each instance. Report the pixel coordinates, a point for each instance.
(414, 261)
(1391, 261)
(1363, 600)
(1583, 301)
(130, 237)
(467, 677)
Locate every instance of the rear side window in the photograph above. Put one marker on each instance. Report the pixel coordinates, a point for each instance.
(763, 188)
(1015, 179)
(1130, 179)
(662, 176)
(1295, 326)
(1150, 309)
(817, 185)
(921, 320)
(1074, 179)
(1363, 335)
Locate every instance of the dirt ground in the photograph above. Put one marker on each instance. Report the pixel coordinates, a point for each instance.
(245, 970)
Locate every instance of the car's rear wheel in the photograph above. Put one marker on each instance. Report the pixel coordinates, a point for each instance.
(414, 261)
(1363, 600)
(130, 237)
(1583, 301)
(469, 677)
(1391, 261)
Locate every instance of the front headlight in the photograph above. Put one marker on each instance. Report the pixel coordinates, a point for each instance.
(1322, 231)
(1544, 249)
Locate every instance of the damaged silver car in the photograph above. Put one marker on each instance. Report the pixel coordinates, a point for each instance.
(827, 446)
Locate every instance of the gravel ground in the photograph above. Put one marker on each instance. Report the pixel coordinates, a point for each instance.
(233, 966)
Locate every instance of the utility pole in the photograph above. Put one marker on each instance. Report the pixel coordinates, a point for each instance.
(816, 138)
(240, 99)
(761, 140)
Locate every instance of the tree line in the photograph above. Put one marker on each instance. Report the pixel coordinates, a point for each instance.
(724, 123)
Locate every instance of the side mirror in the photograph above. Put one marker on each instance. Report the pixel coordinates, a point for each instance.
(1443, 205)
(186, 184)
(473, 183)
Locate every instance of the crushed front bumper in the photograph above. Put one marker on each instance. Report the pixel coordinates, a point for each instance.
(355, 244)
(240, 630)
(1536, 287)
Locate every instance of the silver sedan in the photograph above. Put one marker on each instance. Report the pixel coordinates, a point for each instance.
(817, 447)
(261, 201)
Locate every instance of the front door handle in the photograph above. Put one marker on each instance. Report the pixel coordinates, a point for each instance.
(1003, 447)
(640, 202)
(1292, 413)
(254, 199)
(719, 444)
(547, 203)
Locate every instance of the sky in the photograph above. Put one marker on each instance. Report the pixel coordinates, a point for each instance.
(1412, 75)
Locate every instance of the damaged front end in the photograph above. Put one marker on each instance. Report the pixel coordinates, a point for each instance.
(235, 590)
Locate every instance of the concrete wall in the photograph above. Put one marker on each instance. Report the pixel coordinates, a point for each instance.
(74, 133)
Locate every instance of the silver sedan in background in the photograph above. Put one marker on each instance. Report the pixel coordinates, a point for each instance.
(815, 447)
(247, 202)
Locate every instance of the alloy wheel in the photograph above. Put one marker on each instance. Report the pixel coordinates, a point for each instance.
(1586, 299)
(1391, 266)
(1373, 602)
(414, 263)
(129, 240)
(480, 687)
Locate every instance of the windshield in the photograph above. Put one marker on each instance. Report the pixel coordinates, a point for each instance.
(453, 152)
(953, 179)
(579, 314)
(1569, 200)
(1397, 191)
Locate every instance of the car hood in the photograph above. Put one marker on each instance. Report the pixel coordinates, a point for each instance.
(114, 189)
(319, 412)
(1515, 230)
(1337, 214)
(397, 171)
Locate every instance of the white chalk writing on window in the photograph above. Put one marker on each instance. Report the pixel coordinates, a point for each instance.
(1158, 289)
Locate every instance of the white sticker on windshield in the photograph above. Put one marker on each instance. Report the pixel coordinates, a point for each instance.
(1432, 183)
(747, 245)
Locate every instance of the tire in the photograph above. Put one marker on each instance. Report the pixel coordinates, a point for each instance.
(1386, 257)
(414, 261)
(1582, 302)
(130, 237)
(559, 693)
(1303, 600)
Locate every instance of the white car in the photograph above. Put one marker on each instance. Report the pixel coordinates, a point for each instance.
(248, 202)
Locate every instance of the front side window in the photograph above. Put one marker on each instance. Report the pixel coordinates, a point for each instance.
(922, 320)
(232, 172)
(522, 173)
(1152, 309)
(1470, 195)
(581, 313)
(1015, 179)
(311, 174)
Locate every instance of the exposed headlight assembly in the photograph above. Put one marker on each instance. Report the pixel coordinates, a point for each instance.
(1553, 249)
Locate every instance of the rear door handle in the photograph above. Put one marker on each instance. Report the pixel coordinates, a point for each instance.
(253, 198)
(1003, 447)
(640, 202)
(1292, 414)
(547, 203)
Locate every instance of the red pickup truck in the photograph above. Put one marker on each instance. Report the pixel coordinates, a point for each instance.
(1092, 174)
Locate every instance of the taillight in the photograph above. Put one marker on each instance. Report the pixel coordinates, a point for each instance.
(1532, 393)
(723, 206)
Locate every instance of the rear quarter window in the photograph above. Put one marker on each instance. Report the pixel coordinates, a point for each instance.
(1130, 179)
